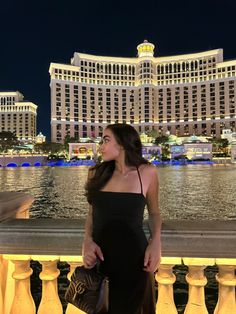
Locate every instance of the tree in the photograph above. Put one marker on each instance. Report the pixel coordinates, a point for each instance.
(68, 140)
(49, 148)
(224, 143)
(161, 140)
(219, 144)
(7, 140)
(152, 133)
(165, 152)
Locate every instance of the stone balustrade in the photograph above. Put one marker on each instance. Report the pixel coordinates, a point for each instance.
(51, 241)
(12, 205)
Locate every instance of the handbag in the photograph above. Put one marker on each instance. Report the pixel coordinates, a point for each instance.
(89, 290)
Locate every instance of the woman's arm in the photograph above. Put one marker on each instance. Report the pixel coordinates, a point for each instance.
(153, 251)
(90, 250)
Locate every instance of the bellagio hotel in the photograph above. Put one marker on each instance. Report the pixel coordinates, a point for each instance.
(18, 116)
(184, 94)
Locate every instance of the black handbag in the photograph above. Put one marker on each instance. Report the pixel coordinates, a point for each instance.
(88, 290)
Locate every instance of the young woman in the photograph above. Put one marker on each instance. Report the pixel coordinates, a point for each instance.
(118, 190)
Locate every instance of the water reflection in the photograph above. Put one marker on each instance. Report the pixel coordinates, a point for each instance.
(198, 192)
(186, 192)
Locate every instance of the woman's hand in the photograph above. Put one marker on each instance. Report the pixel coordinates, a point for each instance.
(152, 256)
(91, 251)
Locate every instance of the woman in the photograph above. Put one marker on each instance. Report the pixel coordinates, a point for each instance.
(118, 190)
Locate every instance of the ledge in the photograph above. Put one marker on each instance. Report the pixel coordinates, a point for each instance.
(12, 204)
(202, 239)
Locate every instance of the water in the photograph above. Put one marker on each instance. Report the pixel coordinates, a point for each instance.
(201, 192)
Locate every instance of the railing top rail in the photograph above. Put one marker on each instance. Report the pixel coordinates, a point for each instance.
(182, 238)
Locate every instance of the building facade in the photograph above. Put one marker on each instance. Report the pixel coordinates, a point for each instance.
(18, 116)
(183, 94)
(40, 138)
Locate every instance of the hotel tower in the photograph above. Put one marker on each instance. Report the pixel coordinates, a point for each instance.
(184, 94)
(18, 116)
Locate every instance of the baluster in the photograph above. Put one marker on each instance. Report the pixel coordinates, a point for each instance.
(166, 278)
(50, 302)
(8, 290)
(18, 203)
(73, 262)
(23, 302)
(196, 280)
(227, 281)
(1, 301)
(3, 274)
(1, 285)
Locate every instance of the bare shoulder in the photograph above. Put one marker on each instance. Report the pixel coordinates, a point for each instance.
(148, 170)
(149, 177)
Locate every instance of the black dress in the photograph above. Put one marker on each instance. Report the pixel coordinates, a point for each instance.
(118, 230)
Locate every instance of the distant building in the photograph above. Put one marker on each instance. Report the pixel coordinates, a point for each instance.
(193, 147)
(82, 150)
(40, 138)
(198, 151)
(146, 139)
(184, 94)
(18, 116)
(229, 135)
(233, 152)
(192, 151)
(150, 151)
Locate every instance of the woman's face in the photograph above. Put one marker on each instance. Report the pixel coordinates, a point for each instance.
(110, 149)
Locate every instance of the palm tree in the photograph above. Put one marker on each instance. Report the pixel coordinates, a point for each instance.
(7, 140)
(165, 147)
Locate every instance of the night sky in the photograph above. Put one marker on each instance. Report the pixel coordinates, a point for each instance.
(35, 33)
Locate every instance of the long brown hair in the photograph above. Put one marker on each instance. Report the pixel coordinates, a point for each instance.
(129, 139)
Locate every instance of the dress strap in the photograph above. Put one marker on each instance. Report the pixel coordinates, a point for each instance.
(140, 181)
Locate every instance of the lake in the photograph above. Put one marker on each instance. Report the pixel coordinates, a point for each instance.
(186, 192)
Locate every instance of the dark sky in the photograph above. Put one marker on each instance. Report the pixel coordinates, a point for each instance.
(35, 33)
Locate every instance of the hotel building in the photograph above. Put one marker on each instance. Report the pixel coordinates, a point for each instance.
(184, 94)
(17, 115)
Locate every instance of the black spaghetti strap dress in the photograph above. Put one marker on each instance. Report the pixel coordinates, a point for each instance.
(118, 230)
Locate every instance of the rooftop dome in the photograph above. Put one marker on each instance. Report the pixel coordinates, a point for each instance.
(145, 49)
